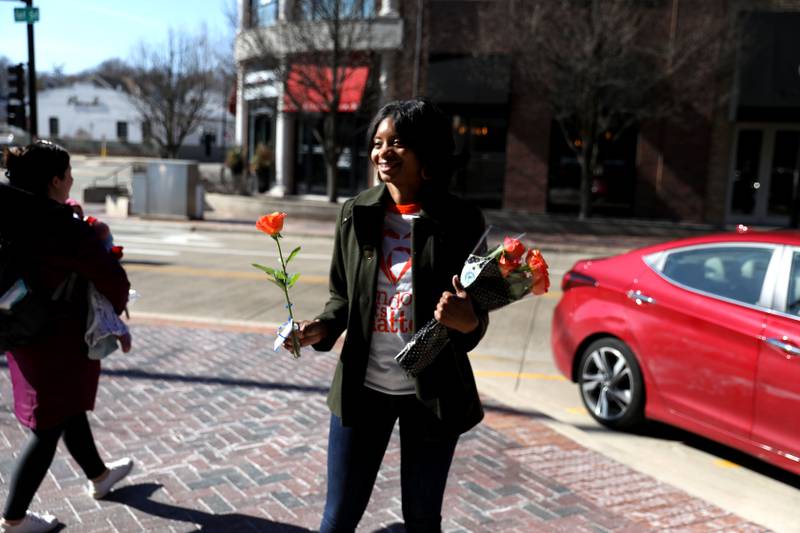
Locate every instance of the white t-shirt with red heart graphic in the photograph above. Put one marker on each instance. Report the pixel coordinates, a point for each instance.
(393, 326)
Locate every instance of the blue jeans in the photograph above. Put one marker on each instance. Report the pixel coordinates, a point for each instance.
(355, 455)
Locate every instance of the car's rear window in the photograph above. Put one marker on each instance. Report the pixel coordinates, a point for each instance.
(731, 272)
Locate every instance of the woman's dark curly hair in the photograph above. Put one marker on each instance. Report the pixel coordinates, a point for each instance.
(33, 167)
(425, 130)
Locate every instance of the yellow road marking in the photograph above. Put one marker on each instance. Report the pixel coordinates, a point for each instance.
(523, 375)
(724, 463)
(218, 273)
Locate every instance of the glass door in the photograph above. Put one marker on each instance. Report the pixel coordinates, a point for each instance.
(746, 182)
(766, 160)
(783, 173)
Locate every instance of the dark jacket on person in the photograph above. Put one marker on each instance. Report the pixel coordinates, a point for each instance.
(53, 378)
(442, 237)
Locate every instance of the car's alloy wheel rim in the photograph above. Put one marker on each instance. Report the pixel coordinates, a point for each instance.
(607, 383)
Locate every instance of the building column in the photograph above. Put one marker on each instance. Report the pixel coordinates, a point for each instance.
(284, 150)
(386, 78)
(241, 123)
(240, 129)
(243, 10)
(388, 8)
(284, 8)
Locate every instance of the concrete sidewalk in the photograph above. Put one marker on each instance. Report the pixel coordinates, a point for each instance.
(229, 436)
(560, 232)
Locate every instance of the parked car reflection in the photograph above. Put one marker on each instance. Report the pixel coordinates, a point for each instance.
(702, 333)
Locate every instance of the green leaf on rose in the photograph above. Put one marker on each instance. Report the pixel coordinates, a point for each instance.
(280, 276)
(269, 270)
(293, 279)
(291, 255)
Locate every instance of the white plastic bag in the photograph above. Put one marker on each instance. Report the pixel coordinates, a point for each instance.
(103, 326)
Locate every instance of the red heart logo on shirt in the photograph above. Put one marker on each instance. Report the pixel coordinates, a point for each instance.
(387, 260)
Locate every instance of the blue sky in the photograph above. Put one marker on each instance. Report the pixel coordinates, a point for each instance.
(79, 34)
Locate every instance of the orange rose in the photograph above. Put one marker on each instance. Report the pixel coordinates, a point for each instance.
(271, 224)
(541, 284)
(507, 265)
(541, 276)
(513, 248)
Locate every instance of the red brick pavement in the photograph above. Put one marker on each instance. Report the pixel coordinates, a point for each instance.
(229, 436)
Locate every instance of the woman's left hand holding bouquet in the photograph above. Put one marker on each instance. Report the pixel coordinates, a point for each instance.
(455, 310)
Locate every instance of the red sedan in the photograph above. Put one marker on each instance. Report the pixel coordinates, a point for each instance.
(701, 333)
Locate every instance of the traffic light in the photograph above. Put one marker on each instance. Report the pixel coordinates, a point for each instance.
(16, 82)
(15, 109)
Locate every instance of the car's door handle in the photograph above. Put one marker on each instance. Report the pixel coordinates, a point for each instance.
(639, 297)
(783, 346)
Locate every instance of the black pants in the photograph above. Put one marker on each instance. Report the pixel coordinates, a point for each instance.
(35, 459)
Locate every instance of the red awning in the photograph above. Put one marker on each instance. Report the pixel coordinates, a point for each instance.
(310, 87)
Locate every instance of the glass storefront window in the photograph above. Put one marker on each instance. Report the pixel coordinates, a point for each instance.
(265, 12)
(310, 167)
(480, 145)
(347, 9)
(613, 183)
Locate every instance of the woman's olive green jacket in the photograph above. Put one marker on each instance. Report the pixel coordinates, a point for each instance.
(442, 237)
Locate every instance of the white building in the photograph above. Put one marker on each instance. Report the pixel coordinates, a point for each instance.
(94, 111)
(88, 111)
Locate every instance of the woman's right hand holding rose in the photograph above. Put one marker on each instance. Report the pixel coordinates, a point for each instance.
(308, 332)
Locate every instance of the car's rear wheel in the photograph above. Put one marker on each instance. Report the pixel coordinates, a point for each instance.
(611, 384)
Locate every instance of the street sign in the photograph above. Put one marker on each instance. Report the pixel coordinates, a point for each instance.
(26, 14)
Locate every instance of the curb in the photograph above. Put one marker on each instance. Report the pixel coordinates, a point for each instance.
(554, 233)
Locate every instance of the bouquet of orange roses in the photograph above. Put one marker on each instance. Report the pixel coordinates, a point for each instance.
(506, 274)
(272, 225)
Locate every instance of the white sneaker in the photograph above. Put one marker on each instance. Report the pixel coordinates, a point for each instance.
(116, 471)
(32, 523)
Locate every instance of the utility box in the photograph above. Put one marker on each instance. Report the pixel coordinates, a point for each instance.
(167, 188)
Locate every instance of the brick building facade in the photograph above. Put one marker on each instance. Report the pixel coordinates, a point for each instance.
(733, 158)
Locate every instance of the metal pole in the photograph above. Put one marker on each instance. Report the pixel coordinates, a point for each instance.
(33, 115)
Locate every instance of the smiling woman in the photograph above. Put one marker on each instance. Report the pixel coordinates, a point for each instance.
(383, 286)
(395, 163)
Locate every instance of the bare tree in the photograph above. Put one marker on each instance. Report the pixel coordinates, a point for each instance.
(604, 66)
(314, 55)
(113, 71)
(171, 87)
